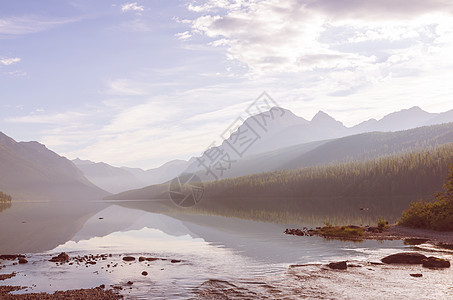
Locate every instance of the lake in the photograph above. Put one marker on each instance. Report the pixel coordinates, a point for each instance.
(200, 256)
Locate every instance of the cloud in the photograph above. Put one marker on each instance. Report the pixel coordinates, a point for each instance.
(133, 6)
(125, 87)
(19, 25)
(183, 35)
(272, 36)
(55, 118)
(379, 9)
(143, 131)
(9, 61)
(16, 73)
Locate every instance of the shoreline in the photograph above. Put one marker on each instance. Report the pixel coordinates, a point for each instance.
(107, 291)
(390, 232)
(398, 232)
(211, 287)
(93, 293)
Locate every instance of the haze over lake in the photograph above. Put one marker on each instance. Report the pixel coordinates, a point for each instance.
(226, 149)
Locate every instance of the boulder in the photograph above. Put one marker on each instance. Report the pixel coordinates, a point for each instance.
(144, 273)
(22, 260)
(434, 262)
(416, 275)
(128, 258)
(341, 265)
(151, 258)
(62, 257)
(404, 258)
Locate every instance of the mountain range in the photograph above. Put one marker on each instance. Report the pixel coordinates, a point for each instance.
(277, 140)
(29, 171)
(279, 128)
(115, 179)
(355, 148)
(277, 137)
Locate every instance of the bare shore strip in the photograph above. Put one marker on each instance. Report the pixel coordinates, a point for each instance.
(94, 293)
(390, 232)
(396, 232)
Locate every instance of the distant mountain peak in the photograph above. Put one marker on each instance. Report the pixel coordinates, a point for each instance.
(29, 170)
(284, 114)
(275, 119)
(412, 112)
(416, 108)
(79, 161)
(322, 117)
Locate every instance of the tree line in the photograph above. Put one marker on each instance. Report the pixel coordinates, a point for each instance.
(416, 173)
(383, 186)
(436, 214)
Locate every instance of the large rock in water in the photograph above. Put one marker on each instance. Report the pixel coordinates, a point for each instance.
(341, 265)
(404, 258)
(22, 260)
(434, 262)
(128, 258)
(61, 258)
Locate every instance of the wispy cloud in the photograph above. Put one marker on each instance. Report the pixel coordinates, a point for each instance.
(9, 61)
(133, 6)
(125, 87)
(55, 118)
(183, 35)
(19, 25)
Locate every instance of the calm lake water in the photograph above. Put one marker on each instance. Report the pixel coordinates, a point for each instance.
(219, 257)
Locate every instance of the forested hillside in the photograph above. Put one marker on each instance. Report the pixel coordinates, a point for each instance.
(359, 147)
(383, 186)
(410, 174)
(368, 146)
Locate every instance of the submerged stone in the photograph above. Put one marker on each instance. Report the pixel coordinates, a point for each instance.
(341, 265)
(404, 258)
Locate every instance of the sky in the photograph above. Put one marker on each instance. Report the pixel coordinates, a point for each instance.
(139, 83)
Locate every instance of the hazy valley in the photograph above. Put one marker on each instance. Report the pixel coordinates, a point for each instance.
(226, 150)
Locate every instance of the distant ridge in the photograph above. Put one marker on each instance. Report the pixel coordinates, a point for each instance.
(283, 140)
(29, 171)
(109, 178)
(115, 180)
(350, 149)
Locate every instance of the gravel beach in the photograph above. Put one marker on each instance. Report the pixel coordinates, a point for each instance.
(95, 293)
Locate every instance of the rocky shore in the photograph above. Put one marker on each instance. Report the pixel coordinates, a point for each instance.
(107, 262)
(389, 232)
(94, 293)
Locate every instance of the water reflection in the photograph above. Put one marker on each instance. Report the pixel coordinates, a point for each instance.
(247, 255)
(28, 227)
(5, 206)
